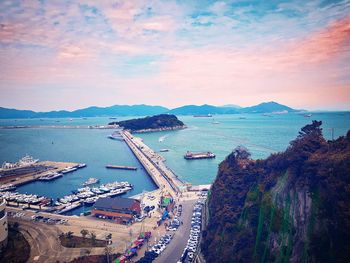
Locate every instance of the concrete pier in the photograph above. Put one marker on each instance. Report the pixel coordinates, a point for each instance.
(163, 177)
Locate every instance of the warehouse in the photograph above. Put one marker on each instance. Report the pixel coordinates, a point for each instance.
(121, 210)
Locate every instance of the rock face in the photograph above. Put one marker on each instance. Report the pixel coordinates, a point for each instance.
(293, 206)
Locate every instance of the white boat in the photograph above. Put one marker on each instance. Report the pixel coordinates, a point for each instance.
(68, 170)
(69, 208)
(27, 160)
(81, 165)
(50, 177)
(91, 181)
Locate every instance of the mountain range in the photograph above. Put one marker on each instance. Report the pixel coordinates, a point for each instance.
(145, 110)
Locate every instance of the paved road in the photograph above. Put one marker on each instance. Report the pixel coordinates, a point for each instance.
(175, 248)
(45, 246)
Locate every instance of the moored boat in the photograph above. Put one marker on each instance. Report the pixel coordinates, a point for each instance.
(91, 181)
(201, 155)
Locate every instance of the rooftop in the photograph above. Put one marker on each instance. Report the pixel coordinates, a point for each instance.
(116, 203)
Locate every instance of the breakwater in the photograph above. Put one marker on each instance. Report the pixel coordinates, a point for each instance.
(163, 177)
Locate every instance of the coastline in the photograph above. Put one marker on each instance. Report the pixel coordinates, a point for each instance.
(181, 127)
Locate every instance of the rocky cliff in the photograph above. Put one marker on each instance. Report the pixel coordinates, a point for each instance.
(293, 206)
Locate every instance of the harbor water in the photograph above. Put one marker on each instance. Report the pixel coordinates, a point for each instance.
(261, 135)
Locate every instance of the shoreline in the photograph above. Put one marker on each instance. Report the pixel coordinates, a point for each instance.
(159, 129)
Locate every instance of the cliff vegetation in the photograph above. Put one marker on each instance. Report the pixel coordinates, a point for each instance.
(153, 123)
(293, 206)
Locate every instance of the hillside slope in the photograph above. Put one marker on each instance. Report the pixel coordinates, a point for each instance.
(291, 207)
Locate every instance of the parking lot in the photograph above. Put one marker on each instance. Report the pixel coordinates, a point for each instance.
(185, 229)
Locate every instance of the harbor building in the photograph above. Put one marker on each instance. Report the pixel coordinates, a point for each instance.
(3, 224)
(118, 209)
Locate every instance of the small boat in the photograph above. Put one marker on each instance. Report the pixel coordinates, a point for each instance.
(164, 150)
(68, 170)
(50, 177)
(69, 208)
(116, 136)
(203, 116)
(307, 115)
(91, 181)
(215, 122)
(81, 165)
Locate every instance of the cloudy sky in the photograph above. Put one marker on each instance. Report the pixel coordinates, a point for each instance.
(73, 54)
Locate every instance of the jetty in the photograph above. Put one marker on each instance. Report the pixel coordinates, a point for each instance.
(154, 164)
(121, 167)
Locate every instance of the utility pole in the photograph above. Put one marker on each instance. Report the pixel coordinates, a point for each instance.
(332, 132)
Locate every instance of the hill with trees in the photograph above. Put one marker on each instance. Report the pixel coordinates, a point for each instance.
(293, 206)
(154, 123)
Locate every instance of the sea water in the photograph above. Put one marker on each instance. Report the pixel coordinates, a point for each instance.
(261, 135)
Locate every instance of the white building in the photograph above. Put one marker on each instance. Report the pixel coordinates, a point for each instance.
(3, 224)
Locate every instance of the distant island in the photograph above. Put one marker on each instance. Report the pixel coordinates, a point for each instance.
(293, 206)
(160, 122)
(146, 110)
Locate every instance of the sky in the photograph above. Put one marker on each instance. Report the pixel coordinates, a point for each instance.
(74, 54)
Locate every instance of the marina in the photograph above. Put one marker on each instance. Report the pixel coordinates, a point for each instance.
(79, 197)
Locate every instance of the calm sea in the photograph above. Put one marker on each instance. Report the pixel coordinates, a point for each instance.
(262, 136)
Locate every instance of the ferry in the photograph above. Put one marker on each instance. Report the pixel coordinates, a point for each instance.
(25, 161)
(91, 181)
(201, 155)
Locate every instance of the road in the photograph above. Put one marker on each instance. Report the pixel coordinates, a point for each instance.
(175, 248)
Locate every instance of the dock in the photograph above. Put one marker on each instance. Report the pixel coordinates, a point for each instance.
(121, 167)
(154, 164)
(28, 174)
